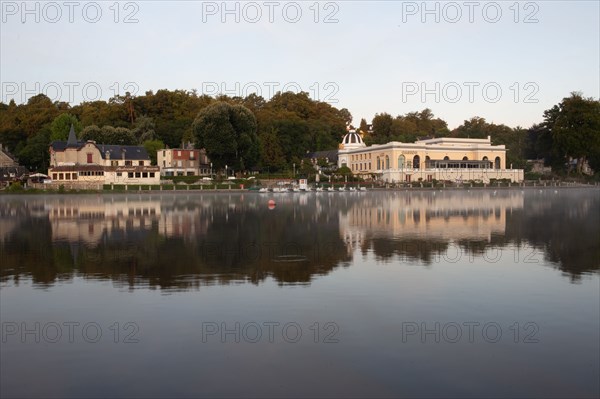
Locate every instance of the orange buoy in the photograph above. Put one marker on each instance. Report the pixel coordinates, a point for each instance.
(271, 204)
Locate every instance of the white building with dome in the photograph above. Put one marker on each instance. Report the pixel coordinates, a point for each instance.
(446, 158)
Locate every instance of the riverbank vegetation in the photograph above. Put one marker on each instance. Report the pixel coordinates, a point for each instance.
(275, 135)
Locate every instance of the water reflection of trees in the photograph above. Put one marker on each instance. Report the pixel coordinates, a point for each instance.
(561, 225)
(177, 242)
(182, 242)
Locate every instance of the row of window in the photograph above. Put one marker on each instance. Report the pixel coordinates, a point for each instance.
(64, 176)
(91, 173)
(74, 175)
(127, 163)
(192, 154)
(90, 160)
(138, 175)
(415, 163)
(179, 164)
(360, 157)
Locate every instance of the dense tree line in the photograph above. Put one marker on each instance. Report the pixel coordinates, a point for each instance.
(251, 132)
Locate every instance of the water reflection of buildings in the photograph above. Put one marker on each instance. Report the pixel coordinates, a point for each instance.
(432, 216)
(187, 222)
(91, 221)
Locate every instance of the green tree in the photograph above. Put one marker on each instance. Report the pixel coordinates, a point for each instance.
(34, 155)
(363, 126)
(152, 147)
(575, 127)
(344, 171)
(144, 129)
(307, 169)
(228, 133)
(474, 128)
(271, 153)
(118, 136)
(93, 133)
(382, 128)
(60, 126)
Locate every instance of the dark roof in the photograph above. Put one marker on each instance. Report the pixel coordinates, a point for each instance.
(332, 155)
(62, 145)
(6, 171)
(132, 152)
(72, 141)
(7, 153)
(76, 168)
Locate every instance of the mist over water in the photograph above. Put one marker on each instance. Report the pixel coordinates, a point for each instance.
(398, 293)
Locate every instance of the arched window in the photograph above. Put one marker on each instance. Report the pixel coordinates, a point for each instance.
(387, 162)
(401, 162)
(416, 162)
(465, 159)
(378, 163)
(446, 158)
(497, 163)
(485, 159)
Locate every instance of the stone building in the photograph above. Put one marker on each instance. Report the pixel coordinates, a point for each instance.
(83, 163)
(183, 162)
(449, 159)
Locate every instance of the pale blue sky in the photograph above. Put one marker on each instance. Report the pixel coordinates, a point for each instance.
(368, 61)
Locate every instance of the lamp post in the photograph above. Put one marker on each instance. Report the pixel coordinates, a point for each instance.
(211, 170)
(226, 172)
(294, 164)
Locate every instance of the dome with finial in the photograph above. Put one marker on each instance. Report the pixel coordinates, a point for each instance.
(352, 140)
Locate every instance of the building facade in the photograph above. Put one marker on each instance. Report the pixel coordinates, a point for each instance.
(183, 162)
(10, 170)
(447, 159)
(77, 162)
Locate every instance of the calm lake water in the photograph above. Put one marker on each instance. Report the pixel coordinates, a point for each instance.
(380, 294)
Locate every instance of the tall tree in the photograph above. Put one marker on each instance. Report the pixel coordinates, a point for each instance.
(575, 127)
(34, 155)
(364, 128)
(228, 133)
(60, 126)
(271, 153)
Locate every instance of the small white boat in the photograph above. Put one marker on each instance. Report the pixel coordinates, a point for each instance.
(330, 189)
(352, 188)
(263, 190)
(296, 190)
(342, 188)
(319, 189)
(361, 188)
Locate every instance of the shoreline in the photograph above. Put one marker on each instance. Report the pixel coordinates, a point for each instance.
(27, 192)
